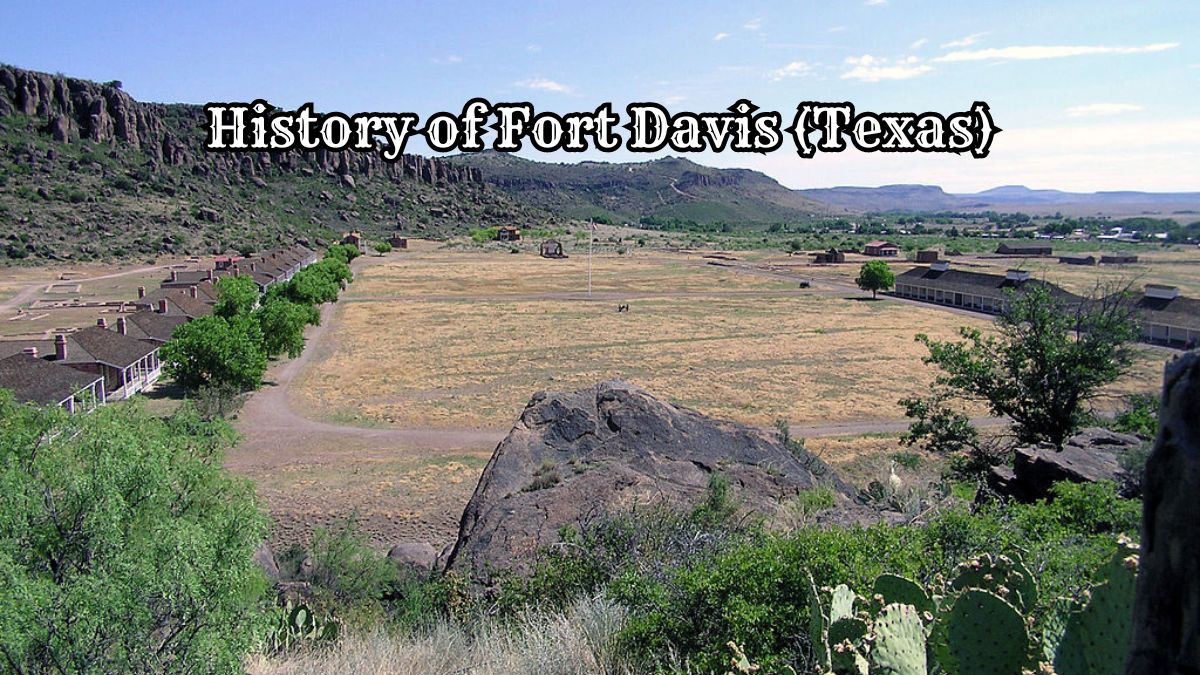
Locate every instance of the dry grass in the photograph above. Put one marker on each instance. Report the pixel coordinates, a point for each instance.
(577, 641)
(473, 362)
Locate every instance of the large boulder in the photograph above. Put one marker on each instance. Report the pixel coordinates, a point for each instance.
(1090, 456)
(418, 556)
(608, 448)
(1166, 613)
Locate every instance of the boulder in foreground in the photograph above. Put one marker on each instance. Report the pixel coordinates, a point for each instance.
(609, 448)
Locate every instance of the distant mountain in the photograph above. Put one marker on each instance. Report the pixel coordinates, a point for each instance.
(1006, 197)
(667, 188)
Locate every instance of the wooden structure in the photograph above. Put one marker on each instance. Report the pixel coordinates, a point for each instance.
(881, 249)
(1118, 259)
(552, 248)
(927, 256)
(508, 233)
(1031, 250)
(832, 256)
(397, 242)
(354, 239)
(1077, 259)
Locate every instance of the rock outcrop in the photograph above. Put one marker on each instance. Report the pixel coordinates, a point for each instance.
(72, 109)
(1166, 621)
(1090, 456)
(609, 448)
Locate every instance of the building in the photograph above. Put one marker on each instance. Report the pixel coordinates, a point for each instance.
(832, 256)
(927, 256)
(35, 380)
(354, 238)
(1118, 259)
(151, 327)
(397, 242)
(881, 249)
(125, 364)
(969, 290)
(552, 248)
(1028, 250)
(508, 233)
(1077, 259)
(1167, 317)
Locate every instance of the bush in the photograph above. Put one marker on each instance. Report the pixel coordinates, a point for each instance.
(124, 547)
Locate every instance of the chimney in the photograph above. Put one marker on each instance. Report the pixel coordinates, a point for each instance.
(174, 275)
(141, 292)
(162, 306)
(102, 322)
(122, 327)
(193, 292)
(940, 265)
(31, 351)
(253, 267)
(210, 275)
(60, 347)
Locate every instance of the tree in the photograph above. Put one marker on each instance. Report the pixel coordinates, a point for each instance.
(282, 322)
(342, 252)
(875, 276)
(1046, 362)
(124, 546)
(213, 351)
(235, 295)
(382, 247)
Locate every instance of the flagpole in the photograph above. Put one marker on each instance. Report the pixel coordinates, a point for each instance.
(591, 238)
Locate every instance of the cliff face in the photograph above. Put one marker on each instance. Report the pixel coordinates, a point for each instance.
(71, 109)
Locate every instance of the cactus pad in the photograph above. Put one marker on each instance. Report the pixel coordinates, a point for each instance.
(1003, 575)
(897, 589)
(899, 647)
(986, 635)
(842, 603)
(1096, 639)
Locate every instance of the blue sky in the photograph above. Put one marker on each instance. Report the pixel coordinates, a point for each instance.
(1092, 95)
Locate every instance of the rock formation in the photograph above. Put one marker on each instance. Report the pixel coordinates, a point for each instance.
(1166, 621)
(172, 134)
(608, 448)
(1090, 456)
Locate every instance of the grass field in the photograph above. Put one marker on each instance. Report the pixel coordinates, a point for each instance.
(472, 356)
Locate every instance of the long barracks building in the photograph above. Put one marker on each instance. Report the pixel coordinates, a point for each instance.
(1165, 316)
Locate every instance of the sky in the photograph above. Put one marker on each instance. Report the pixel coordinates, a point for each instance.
(1091, 95)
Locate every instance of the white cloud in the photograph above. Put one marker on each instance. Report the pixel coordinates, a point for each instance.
(917, 44)
(1048, 52)
(542, 84)
(875, 3)
(1099, 109)
(835, 29)
(753, 24)
(533, 48)
(448, 60)
(720, 36)
(793, 69)
(963, 41)
(869, 68)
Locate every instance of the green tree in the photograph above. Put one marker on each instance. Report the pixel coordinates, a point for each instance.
(235, 295)
(124, 546)
(213, 351)
(1045, 363)
(342, 252)
(282, 322)
(875, 276)
(382, 247)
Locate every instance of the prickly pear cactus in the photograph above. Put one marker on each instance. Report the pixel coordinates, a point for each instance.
(850, 629)
(897, 589)
(986, 635)
(899, 647)
(841, 605)
(816, 626)
(1096, 639)
(1003, 575)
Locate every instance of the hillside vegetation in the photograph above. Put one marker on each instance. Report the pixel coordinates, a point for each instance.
(668, 188)
(88, 173)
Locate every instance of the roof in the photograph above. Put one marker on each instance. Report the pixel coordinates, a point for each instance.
(179, 301)
(1182, 312)
(96, 344)
(147, 325)
(1024, 247)
(977, 282)
(43, 382)
(881, 244)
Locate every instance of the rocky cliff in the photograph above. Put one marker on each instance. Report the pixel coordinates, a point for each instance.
(87, 172)
(70, 109)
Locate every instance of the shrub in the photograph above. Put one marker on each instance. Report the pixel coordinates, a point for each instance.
(124, 547)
